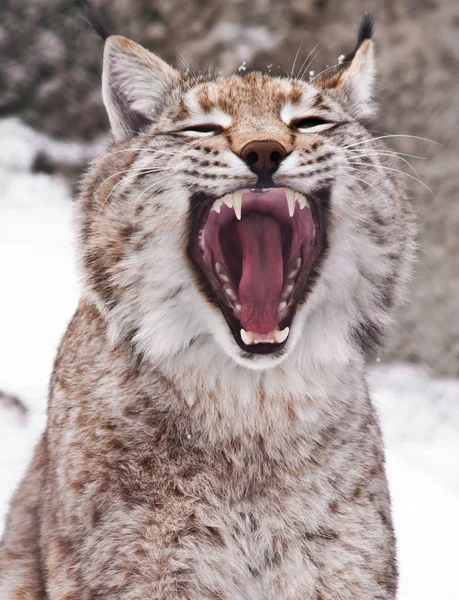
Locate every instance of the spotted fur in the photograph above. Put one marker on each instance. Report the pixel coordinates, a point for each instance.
(175, 466)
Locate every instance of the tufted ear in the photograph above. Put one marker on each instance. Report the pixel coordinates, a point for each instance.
(352, 81)
(135, 86)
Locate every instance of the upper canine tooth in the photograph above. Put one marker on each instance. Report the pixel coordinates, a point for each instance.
(290, 201)
(247, 337)
(281, 336)
(237, 204)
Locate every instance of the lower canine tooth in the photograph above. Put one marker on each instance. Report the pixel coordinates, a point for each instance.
(247, 337)
(281, 336)
(282, 305)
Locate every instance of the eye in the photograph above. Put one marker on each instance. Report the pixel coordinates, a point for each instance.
(312, 124)
(205, 129)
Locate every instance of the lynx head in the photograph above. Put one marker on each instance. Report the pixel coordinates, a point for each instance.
(250, 215)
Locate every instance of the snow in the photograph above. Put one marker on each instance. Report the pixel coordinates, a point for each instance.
(420, 413)
(420, 419)
(39, 292)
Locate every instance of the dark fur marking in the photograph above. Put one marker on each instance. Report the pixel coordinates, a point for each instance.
(323, 157)
(173, 294)
(384, 518)
(387, 292)
(333, 507)
(367, 335)
(214, 536)
(322, 534)
(127, 232)
(253, 571)
(99, 276)
(319, 103)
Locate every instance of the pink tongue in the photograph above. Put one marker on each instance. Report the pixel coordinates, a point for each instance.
(262, 272)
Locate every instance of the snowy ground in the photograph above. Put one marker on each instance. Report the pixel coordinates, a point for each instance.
(39, 291)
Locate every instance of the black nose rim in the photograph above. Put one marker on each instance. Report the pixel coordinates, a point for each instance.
(263, 157)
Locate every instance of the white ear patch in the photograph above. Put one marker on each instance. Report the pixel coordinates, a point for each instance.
(134, 85)
(358, 81)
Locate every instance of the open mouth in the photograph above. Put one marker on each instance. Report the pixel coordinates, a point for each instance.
(256, 249)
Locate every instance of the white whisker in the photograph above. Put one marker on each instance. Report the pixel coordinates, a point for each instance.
(303, 69)
(143, 192)
(371, 185)
(324, 71)
(390, 152)
(295, 59)
(188, 66)
(379, 166)
(382, 137)
(147, 150)
(394, 155)
(136, 169)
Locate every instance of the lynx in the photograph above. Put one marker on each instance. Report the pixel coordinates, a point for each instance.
(210, 436)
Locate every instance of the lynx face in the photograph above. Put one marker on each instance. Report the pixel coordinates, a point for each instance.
(252, 213)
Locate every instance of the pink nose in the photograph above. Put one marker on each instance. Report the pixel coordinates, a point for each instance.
(263, 156)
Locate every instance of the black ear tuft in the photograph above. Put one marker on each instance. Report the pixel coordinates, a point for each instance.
(366, 31)
(92, 18)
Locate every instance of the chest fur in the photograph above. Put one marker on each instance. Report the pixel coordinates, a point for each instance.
(237, 522)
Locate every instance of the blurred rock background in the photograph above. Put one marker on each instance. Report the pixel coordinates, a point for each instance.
(50, 65)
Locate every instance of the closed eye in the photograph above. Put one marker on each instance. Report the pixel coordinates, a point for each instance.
(312, 124)
(200, 130)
